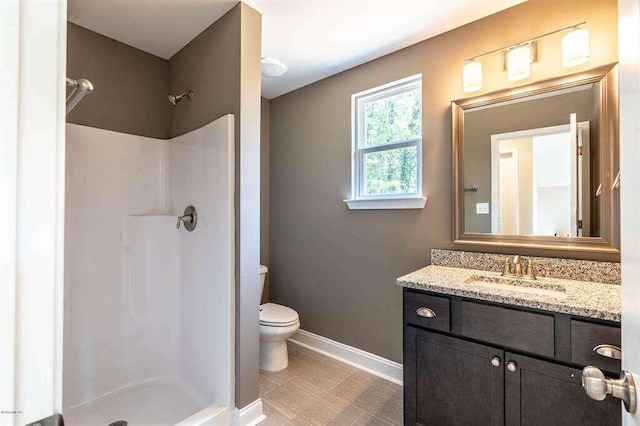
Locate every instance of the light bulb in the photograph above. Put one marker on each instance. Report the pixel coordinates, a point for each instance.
(472, 76)
(519, 62)
(575, 47)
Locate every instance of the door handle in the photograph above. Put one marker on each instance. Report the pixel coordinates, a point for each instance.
(597, 386)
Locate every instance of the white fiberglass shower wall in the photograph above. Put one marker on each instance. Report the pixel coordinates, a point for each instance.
(148, 330)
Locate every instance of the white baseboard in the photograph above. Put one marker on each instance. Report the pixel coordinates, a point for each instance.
(358, 358)
(249, 415)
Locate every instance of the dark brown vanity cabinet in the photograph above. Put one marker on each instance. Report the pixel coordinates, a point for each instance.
(454, 382)
(495, 365)
(545, 393)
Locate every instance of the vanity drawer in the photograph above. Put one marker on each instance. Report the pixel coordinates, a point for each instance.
(426, 311)
(585, 336)
(516, 329)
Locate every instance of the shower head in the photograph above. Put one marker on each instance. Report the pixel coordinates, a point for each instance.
(174, 99)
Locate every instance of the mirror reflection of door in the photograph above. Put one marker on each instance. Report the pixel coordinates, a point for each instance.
(508, 172)
(537, 179)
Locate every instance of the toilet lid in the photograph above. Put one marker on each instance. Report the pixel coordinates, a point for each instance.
(277, 315)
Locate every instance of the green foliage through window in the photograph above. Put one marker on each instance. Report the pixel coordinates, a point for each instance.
(396, 118)
(391, 172)
(393, 119)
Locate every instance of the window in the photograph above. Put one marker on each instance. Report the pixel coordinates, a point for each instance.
(387, 146)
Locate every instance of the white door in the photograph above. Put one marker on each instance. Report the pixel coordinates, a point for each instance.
(629, 56)
(583, 196)
(554, 184)
(33, 49)
(509, 183)
(575, 171)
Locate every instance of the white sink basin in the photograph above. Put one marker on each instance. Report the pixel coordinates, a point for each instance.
(521, 285)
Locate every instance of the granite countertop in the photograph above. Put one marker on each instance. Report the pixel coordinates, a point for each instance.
(580, 298)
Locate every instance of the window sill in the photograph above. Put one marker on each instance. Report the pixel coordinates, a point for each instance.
(387, 203)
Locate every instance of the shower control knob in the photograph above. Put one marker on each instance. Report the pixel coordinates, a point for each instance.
(189, 218)
(180, 219)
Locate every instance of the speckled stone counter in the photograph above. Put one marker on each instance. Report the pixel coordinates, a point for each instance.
(568, 269)
(586, 299)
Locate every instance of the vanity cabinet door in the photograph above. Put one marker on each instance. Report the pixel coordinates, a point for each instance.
(543, 393)
(454, 382)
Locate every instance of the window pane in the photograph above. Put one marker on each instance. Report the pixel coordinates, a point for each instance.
(393, 119)
(391, 172)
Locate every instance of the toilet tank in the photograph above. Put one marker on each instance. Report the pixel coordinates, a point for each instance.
(263, 276)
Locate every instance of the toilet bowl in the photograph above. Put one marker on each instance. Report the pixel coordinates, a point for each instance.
(277, 324)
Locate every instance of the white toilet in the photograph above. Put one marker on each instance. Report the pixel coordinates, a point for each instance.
(277, 324)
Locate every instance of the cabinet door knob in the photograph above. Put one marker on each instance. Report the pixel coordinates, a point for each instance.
(425, 312)
(495, 361)
(512, 366)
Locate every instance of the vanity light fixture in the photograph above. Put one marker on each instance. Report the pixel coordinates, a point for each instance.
(472, 76)
(575, 47)
(519, 56)
(519, 62)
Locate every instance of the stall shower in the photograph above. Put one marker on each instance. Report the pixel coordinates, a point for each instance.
(148, 327)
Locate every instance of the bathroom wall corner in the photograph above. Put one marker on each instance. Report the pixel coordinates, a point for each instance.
(264, 191)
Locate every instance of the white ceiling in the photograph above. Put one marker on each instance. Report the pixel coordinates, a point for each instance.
(314, 38)
(160, 27)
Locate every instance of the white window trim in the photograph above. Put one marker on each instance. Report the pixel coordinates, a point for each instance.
(387, 203)
(391, 201)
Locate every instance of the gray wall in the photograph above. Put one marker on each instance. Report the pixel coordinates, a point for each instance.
(210, 66)
(480, 125)
(264, 191)
(222, 66)
(130, 86)
(338, 267)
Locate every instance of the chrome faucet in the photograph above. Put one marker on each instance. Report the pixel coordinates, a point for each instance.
(517, 266)
(513, 268)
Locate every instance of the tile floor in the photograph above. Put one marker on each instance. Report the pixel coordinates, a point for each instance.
(318, 390)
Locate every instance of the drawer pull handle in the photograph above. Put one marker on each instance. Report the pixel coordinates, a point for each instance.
(495, 361)
(425, 312)
(608, 351)
(512, 366)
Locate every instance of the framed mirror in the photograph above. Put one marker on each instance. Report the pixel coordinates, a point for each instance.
(538, 166)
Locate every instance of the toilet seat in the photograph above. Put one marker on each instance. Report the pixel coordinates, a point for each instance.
(274, 315)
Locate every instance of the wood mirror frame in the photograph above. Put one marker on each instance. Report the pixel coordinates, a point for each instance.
(609, 239)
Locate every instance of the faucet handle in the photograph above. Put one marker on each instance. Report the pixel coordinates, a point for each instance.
(506, 262)
(531, 268)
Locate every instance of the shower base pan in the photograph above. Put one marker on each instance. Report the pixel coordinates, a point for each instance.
(149, 404)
